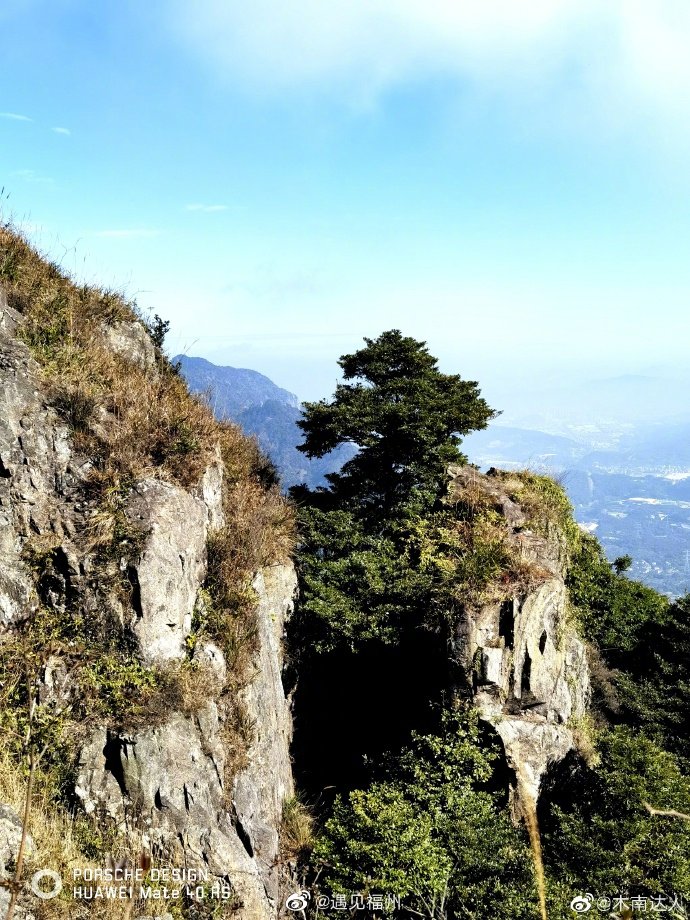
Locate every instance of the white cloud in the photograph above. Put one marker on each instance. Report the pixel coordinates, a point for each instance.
(619, 58)
(30, 175)
(62, 131)
(207, 208)
(134, 233)
(13, 116)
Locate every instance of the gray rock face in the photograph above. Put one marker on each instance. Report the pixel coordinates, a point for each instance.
(21, 913)
(10, 838)
(207, 654)
(210, 491)
(172, 777)
(170, 569)
(35, 469)
(260, 790)
(523, 662)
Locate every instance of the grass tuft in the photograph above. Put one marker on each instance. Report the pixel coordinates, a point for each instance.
(296, 830)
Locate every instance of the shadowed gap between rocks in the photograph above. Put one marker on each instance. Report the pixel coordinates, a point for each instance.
(353, 708)
(563, 786)
(113, 761)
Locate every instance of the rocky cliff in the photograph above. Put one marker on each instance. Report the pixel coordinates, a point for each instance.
(170, 780)
(152, 684)
(517, 650)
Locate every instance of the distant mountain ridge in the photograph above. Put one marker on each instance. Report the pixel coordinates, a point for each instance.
(506, 446)
(233, 388)
(643, 449)
(265, 410)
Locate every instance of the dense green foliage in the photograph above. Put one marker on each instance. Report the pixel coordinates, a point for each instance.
(429, 833)
(597, 834)
(643, 640)
(357, 585)
(363, 575)
(655, 687)
(612, 609)
(383, 555)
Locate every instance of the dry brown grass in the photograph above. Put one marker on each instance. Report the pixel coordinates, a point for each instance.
(58, 844)
(546, 504)
(187, 687)
(296, 830)
(132, 421)
(258, 532)
(135, 421)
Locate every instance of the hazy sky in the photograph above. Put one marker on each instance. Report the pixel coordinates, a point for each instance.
(509, 181)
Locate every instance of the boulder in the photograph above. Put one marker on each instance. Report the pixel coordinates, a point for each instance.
(132, 342)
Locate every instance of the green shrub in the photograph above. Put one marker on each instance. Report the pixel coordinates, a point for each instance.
(430, 834)
(597, 833)
(654, 688)
(611, 609)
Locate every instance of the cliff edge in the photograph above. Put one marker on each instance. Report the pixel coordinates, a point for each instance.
(145, 585)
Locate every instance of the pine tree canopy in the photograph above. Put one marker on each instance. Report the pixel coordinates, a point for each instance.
(406, 418)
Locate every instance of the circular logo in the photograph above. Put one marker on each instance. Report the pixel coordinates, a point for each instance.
(581, 903)
(43, 893)
(298, 901)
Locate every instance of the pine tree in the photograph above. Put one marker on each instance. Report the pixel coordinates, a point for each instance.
(406, 419)
(359, 576)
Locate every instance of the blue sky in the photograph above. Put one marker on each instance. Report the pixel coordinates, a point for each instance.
(280, 180)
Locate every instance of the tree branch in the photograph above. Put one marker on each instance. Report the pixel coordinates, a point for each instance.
(666, 813)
